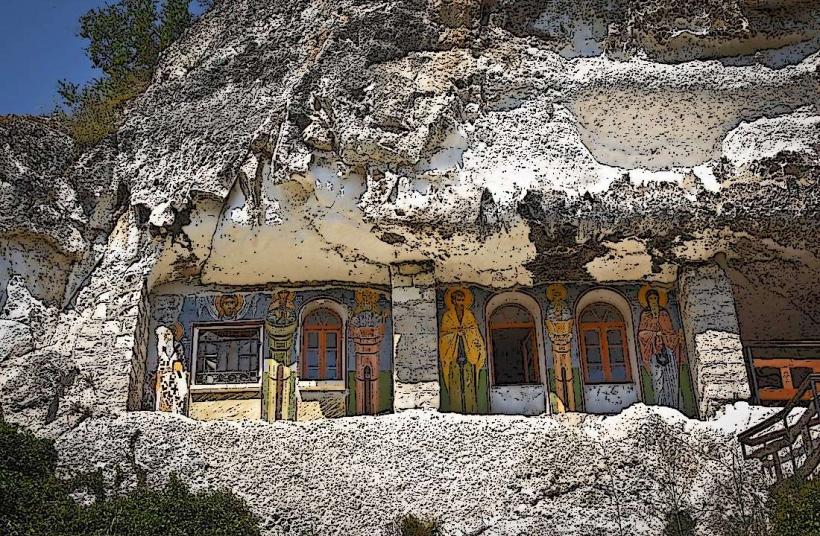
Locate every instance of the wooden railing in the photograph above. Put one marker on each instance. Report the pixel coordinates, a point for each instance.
(788, 444)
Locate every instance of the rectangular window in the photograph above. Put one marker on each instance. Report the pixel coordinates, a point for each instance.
(228, 355)
(604, 354)
(780, 367)
(595, 364)
(617, 355)
(322, 343)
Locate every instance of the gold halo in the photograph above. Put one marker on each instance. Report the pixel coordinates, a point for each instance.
(663, 297)
(448, 297)
(220, 308)
(178, 331)
(556, 292)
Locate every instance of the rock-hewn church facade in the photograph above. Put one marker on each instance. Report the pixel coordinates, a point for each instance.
(329, 350)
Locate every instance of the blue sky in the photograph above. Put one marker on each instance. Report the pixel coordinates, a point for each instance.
(38, 46)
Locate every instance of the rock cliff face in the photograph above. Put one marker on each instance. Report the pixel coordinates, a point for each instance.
(508, 142)
(554, 133)
(500, 476)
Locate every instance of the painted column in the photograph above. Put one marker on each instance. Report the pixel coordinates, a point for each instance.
(415, 337)
(565, 380)
(713, 337)
(367, 332)
(279, 378)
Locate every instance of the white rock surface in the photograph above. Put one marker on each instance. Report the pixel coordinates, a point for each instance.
(503, 475)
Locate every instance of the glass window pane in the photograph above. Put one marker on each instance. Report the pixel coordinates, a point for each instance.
(222, 356)
(618, 373)
(330, 358)
(596, 373)
(313, 339)
(601, 312)
(313, 358)
(232, 355)
(593, 355)
(330, 339)
(227, 355)
(769, 378)
(323, 318)
(591, 338)
(616, 355)
(613, 337)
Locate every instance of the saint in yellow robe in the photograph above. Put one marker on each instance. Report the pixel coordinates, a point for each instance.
(462, 354)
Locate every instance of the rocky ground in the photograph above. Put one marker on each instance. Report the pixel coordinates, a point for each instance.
(493, 475)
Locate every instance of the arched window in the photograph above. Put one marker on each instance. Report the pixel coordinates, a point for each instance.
(604, 349)
(322, 346)
(513, 346)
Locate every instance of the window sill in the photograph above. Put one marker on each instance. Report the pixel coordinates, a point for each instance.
(321, 385)
(227, 387)
(593, 384)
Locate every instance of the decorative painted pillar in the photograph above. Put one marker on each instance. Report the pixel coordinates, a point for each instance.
(279, 379)
(415, 336)
(367, 332)
(712, 336)
(565, 380)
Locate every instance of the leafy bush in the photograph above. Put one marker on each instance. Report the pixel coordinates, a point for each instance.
(95, 112)
(795, 508)
(411, 525)
(35, 502)
(126, 39)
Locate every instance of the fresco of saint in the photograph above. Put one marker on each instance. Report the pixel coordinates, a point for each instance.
(564, 382)
(665, 376)
(171, 379)
(461, 351)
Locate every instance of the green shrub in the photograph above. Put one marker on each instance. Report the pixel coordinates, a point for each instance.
(98, 109)
(32, 498)
(125, 41)
(35, 502)
(173, 510)
(795, 508)
(411, 525)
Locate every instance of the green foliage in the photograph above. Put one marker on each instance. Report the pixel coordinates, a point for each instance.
(35, 502)
(94, 112)
(126, 39)
(679, 523)
(174, 510)
(411, 525)
(795, 508)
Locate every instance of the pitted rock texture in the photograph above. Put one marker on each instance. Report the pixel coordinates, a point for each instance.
(36, 198)
(439, 129)
(497, 476)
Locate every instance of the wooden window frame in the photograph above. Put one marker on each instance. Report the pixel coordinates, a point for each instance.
(775, 354)
(226, 386)
(602, 328)
(514, 325)
(322, 331)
